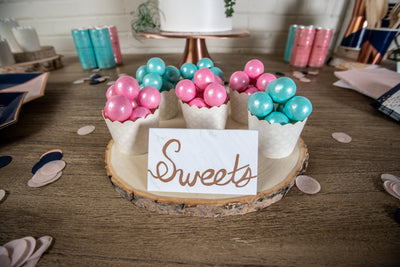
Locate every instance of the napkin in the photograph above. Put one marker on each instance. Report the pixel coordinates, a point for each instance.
(370, 82)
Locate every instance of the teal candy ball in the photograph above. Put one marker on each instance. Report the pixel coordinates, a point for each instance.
(188, 70)
(281, 89)
(140, 73)
(166, 85)
(277, 117)
(172, 74)
(205, 62)
(217, 71)
(297, 108)
(153, 80)
(260, 104)
(156, 65)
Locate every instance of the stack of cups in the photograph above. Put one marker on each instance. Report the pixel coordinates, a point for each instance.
(27, 38)
(6, 32)
(6, 56)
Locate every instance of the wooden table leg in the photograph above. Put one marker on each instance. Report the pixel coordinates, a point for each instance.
(195, 49)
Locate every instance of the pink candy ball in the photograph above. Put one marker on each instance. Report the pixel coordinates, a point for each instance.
(118, 108)
(251, 90)
(254, 68)
(139, 112)
(203, 77)
(264, 80)
(198, 102)
(127, 86)
(215, 95)
(149, 97)
(110, 92)
(218, 80)
(239, 81)
(134, 103)
(185, 90)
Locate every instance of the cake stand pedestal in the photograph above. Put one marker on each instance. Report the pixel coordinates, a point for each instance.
(195, 47)
(128, 174)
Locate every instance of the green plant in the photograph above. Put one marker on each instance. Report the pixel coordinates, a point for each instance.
(229, 8)
(146, 17)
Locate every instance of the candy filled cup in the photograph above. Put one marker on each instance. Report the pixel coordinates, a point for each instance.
(205, 118)
(276, 141)
(131, 137)
(169, 106)
(239, 106)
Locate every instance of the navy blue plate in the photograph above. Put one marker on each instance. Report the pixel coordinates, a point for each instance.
(10, 106)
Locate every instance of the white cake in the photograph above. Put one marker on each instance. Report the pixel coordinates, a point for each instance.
(194, 16)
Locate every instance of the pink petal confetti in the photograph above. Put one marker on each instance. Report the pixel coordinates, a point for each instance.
(2, 195)
(305, 80)
(20, 250)
(315, 72)
(390, 177)
(4, 258)
(52, 167)
(298, 74)
(342, 137)
(86, 130)
(396, 188)
(43, 181)
(307, 184)
(388, 185)
(42, 244)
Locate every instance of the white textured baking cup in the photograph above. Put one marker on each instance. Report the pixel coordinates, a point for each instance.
(169, 106)
(205, 118)
(276, 141)
(239, 106)
(132, 137)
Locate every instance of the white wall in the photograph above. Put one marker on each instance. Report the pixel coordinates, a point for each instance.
(267, 21)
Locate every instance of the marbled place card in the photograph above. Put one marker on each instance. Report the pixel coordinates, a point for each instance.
(203, 161)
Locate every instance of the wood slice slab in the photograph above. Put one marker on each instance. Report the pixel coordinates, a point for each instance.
(128, 174)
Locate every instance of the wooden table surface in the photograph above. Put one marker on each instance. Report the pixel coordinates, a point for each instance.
(351, 222)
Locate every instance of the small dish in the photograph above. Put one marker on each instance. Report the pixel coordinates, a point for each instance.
(32, 83)
(10, 106)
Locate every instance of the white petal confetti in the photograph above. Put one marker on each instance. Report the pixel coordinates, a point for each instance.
(111, 83)
(86, 130)
(388, 185)
(79, 81)
(2, 194)
(42, 244)
(342, 137)
(96, 70)
(307, 184)
(305, 80)
(20, 250)
(390, 177)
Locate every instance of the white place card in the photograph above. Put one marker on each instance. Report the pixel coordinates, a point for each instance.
(203, 161)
